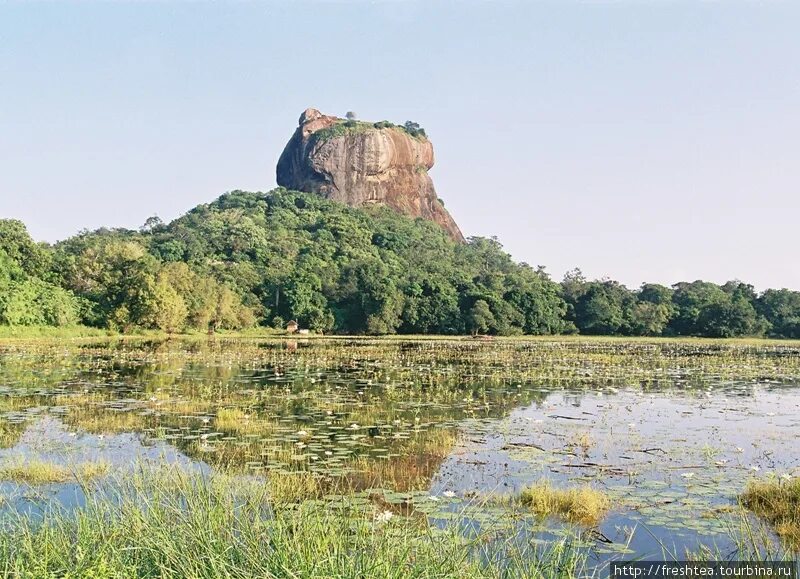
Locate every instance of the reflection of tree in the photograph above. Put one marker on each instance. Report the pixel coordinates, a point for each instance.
(244, 403)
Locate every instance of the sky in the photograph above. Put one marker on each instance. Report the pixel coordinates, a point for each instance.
(640, 140)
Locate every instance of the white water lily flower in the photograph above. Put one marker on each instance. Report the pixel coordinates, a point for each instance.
(449, 494)
(328, 453)
(302, 433)
(755, 468)
(786, 476)
(739, 449)
(433, 498)
(632, 425)
(384, 517)
(354, 426)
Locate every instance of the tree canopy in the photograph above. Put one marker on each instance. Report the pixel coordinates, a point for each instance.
(264, 258)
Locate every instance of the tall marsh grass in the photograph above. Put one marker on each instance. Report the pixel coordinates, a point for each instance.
(167, 523)
(777, 501)
(584, 504)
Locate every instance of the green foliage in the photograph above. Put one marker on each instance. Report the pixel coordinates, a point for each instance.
(480, 318)
(128, 286)
(706, 309)
(341, 128)
(33, 302)
(17, 244)
(414, 130)
(263, 258)
(25, 298)
(687, 309)
(290, 255)
(781, 309)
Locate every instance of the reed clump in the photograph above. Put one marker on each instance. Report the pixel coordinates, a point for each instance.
(778, 502)
(584, 504)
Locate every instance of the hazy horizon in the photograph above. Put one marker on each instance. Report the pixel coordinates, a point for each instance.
(643, 141)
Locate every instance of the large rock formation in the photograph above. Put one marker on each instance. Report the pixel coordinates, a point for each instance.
(359, 163)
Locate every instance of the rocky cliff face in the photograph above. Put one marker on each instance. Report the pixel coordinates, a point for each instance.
(360, 163)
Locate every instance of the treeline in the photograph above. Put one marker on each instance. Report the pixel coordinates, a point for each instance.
(262, 259)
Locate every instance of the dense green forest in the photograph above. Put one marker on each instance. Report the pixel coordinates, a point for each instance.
(265, 258)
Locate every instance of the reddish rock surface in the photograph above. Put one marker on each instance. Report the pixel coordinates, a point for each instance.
(357, 164)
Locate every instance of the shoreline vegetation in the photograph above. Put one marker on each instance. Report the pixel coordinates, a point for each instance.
(167, 522)
(80, 332)
(266, 260)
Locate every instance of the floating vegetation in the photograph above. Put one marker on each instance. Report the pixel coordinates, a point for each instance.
(395, 432)
(777, 500)
(583, 504)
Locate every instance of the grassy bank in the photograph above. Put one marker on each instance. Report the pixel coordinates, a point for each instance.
(171, 524)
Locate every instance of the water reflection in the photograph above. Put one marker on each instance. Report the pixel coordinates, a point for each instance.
(671, 431)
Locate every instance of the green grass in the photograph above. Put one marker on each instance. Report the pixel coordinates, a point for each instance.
(30, 332)
(37, 472)
(171, 524)
(778, 502)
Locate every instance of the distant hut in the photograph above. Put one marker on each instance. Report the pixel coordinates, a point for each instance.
(292, 327)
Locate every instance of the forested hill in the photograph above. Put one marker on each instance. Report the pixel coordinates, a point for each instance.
(256, 258)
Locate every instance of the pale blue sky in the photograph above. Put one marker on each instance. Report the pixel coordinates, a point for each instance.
(654, 141)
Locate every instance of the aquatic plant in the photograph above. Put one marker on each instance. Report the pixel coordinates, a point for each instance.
(777, 500)
(38, 472)
(166, 523)
(584, 504)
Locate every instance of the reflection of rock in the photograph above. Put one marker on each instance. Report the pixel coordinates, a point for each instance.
(360, 163)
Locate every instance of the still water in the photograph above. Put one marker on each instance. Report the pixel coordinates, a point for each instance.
(671, 431)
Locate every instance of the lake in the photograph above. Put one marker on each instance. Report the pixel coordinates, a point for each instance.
(447, 431)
